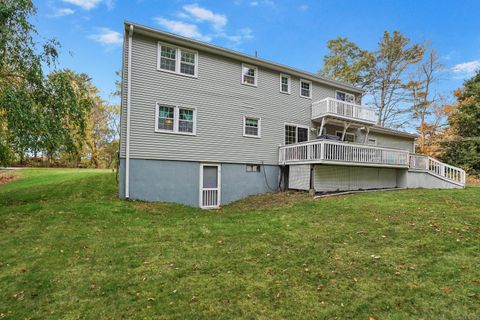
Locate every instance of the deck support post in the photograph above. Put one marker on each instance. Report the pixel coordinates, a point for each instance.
(367, 129)
(345, 127)
(322, 125)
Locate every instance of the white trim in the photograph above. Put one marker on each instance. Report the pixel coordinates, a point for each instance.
(289, 83)
(129, 98)
(259, 127)
(310, 91)
(296, 131)
(346, 134)
(176, 119)
(255, 78)
(345, 93)
(219, 185)
(178, 59)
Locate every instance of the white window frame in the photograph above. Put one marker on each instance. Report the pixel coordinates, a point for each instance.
(346, 94)
(289, 83)
(255, 78)
(296, 131)
(259, 127)
(178, 59)
(176, 119)
(347, 134)
(310, 91)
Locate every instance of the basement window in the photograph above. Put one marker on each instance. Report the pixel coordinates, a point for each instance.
(253, 168)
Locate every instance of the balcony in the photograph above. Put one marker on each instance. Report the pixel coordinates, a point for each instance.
(341, 153)
(342, 110)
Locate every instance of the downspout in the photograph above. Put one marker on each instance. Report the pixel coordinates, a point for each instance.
(129, 94)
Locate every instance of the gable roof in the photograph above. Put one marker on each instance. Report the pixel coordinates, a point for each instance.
(203, 46)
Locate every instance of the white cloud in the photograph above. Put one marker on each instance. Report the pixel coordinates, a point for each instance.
(182, 28)
(62, 12)
(262, 2)
(303, 7)
(192, 17)
(467, 68)
(107, 37)
(202, 14)
(84, 4)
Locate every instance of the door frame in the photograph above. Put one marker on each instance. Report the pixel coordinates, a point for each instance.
(219, 185)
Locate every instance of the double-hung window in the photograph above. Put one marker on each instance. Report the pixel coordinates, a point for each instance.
(249, 75)
(305, 89)
(177, 60)
(295, 133)
(343, 96)
(175, 119)
(284, 83)
(251, 127)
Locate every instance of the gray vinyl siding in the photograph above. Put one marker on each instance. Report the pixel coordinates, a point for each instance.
(221, 102)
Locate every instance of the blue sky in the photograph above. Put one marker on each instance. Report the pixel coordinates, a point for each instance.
(294, 33)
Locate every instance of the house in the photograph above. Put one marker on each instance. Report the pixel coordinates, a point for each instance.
(204, 126)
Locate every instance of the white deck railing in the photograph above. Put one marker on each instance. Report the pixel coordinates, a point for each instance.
(330, 106)
(325, 151)
(448, 172)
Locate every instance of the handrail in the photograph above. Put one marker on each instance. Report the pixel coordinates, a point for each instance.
(327, 151)
(435, 167)
(343, 109)
(331, 151)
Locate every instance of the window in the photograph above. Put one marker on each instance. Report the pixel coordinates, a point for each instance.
(187, 63)
(175, 119)
(295, 133)
(305, 89)
(249, 75)
(253, 168)
(350, 137)
(347, 97)
(284, 83)
(251, 127)
(168, 58)
(372, 142)
(177, 60)
(185, 120)
(165, 118)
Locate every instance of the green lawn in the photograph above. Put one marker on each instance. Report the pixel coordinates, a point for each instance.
(70, 249)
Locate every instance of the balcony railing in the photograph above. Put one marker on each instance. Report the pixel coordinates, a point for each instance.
(435, 167)
(325, 151)
(342, 109)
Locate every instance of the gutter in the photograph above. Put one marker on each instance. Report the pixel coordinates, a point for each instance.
(129, 94)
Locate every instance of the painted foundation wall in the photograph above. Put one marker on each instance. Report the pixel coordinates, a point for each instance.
(343, 178)
(178, 181)
(418, 179)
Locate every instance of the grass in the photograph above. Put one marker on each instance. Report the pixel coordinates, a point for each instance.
(69, 249)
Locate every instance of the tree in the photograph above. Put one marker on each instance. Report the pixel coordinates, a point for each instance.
(462, 148)
(381, 72)
(427, 107)
(393, 58)
(347, 62)
(21, 77)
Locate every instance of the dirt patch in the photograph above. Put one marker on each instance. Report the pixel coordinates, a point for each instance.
(7, 177)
